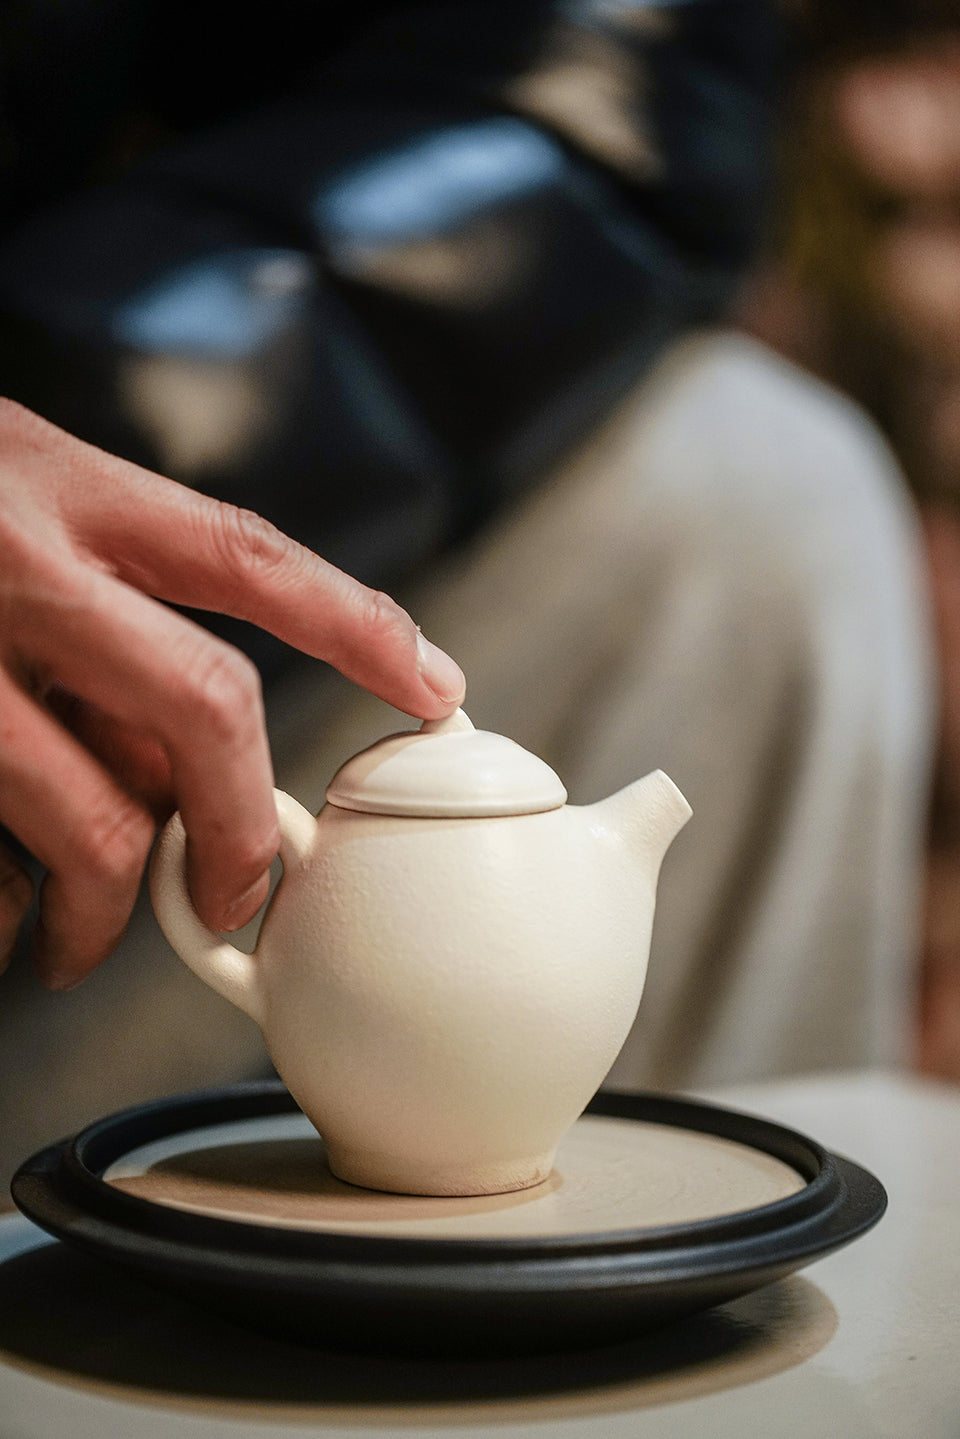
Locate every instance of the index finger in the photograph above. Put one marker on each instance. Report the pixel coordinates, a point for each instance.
(189, 549)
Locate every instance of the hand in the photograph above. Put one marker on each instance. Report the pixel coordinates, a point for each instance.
(114, 709)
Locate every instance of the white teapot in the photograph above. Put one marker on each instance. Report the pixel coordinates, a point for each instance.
(452, 958)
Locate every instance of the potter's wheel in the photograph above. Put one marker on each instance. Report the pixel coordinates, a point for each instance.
(656, 1207)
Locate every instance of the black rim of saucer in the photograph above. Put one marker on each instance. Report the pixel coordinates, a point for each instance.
(62, 1189)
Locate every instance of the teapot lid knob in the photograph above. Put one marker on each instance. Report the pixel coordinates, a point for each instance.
(446, 770)
(457, 723)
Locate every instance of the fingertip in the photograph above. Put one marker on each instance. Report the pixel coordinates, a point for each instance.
(442, 675)
(55, 973)
(233, 914)
(61, 983)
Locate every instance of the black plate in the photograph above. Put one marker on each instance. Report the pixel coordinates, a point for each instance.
(444, 1295)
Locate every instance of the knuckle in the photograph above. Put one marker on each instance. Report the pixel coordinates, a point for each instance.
(377, 628)
(384, 620)
(224, 689)
(250, 547)
(115, 842)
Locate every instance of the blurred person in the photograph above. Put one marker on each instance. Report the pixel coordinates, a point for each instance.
(869, 296)
(441, 291)
(899, 118)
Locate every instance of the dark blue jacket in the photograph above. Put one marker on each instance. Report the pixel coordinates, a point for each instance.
(395, 257)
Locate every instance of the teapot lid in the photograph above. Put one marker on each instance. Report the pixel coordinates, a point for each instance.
(445, 770)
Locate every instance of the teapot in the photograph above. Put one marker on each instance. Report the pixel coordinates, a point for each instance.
(452, 958)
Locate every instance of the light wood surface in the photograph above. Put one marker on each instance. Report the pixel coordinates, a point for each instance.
(610, 1174)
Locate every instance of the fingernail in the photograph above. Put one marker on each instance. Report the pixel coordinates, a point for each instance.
(61, 981)
(245, 907)
(47, 960)
(442, 674)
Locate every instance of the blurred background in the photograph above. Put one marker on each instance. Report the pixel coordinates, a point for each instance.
(862, 286)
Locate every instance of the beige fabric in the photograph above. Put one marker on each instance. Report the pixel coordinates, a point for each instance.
(724, 583)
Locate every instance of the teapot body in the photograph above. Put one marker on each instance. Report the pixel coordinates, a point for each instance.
(443, 997)
(452, 958)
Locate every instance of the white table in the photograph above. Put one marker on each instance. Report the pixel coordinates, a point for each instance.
(862, 1345)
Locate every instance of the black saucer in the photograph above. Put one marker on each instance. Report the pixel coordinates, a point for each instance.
(513, 1293)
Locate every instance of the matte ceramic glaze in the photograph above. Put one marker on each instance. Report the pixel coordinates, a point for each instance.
(443, 994)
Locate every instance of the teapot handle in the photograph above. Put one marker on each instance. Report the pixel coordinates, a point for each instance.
(212, 958)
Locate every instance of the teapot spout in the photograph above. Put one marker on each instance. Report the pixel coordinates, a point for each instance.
(647, 815)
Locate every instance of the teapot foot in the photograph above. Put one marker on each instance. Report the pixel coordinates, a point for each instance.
(394, 1174)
